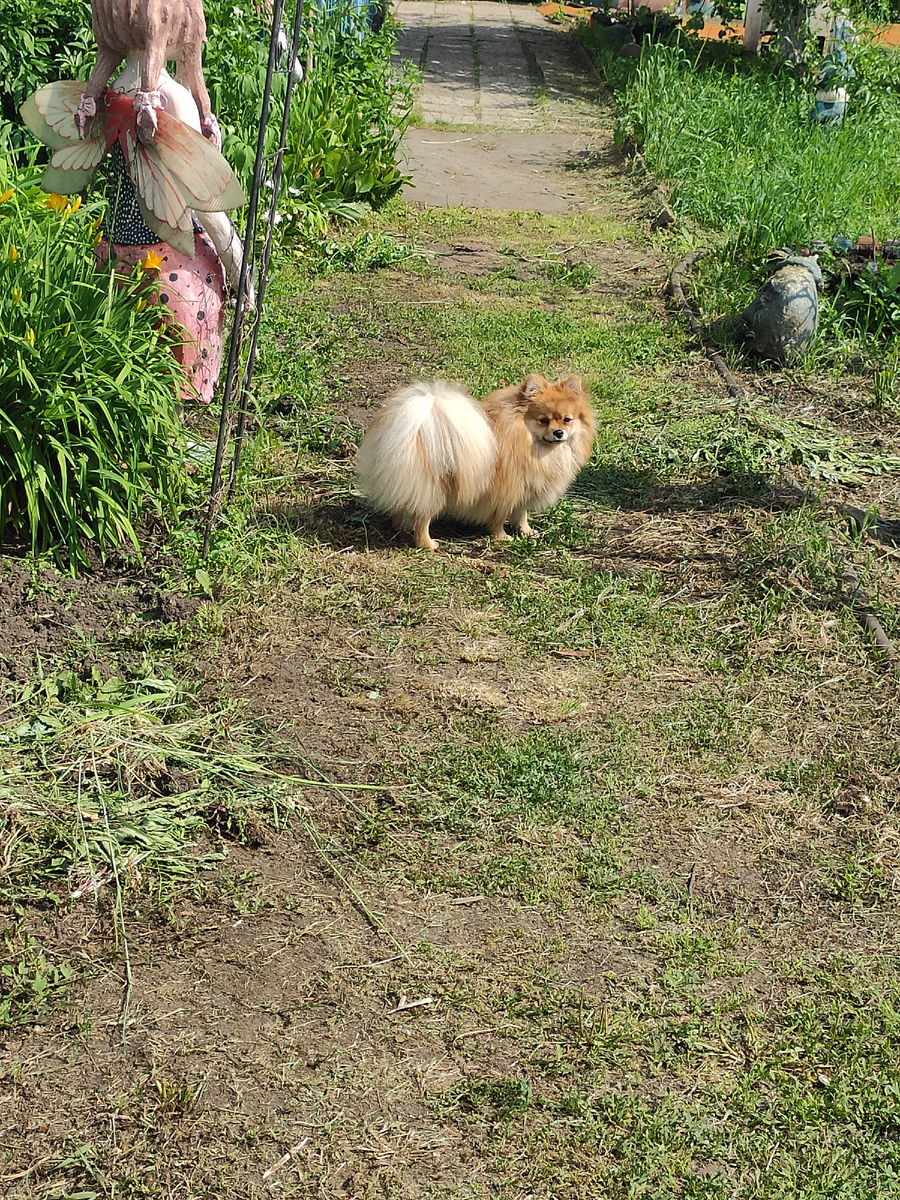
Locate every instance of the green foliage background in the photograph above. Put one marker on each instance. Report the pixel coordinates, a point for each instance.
(90, 435)
(729, 137)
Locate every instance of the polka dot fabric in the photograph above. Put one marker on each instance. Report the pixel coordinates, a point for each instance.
(194, 292)
(128, 225)
(192, 289)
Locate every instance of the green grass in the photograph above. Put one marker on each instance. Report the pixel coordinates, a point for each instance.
(730, 141)
(738, 153)
(630, 808)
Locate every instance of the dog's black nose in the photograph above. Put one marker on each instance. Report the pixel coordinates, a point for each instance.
(559, 434)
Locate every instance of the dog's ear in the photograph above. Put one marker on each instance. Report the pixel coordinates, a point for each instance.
(532, 385)
(575, 385)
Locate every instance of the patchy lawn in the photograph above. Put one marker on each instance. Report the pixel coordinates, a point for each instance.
(563, 868)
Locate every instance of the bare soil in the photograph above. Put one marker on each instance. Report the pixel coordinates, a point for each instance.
(286, 1036)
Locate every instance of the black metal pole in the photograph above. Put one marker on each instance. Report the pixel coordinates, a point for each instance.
(238, 322)
(263, 273)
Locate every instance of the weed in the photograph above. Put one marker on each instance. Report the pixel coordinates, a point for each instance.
(31, 985)
(173, 1098)
(503, 1098)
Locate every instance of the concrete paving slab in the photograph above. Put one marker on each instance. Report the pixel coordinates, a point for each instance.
(531, 120)
(449, 92)
(524, 172)
(414, 33)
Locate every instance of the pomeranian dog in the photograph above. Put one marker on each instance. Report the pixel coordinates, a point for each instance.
(432, 449)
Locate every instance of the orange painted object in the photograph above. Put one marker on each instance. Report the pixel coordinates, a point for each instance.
(717, 32)
(568, 10)
(886, 35)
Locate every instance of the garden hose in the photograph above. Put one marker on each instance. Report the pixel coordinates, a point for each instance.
(874, 527)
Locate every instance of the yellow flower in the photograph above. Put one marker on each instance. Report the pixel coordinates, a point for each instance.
(57, 202)
(16, 295)
(7, 195)
(13, 254)
(97, 238)
(151, 261)
(29, 336)
(75, 205)
(140, 306)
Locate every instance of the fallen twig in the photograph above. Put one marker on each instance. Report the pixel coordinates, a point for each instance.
(677, 290)
(285, 1158)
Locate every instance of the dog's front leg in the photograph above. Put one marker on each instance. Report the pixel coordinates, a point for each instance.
(519, 521)
(422, 534)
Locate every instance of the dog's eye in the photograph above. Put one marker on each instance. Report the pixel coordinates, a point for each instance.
(545, 420)
(567, 420)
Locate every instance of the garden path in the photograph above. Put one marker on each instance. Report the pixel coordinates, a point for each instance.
(513, 115)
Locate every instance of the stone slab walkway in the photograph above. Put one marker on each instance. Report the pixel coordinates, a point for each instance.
(516, 116)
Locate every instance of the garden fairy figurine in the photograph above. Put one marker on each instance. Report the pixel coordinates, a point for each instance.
(169, 187)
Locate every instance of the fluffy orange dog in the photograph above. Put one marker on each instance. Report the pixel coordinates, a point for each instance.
(433, 449)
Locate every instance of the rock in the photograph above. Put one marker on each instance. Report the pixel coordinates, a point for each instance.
(611, 35)
(782, 319)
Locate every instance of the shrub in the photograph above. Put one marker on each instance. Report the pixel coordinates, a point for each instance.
(347, 115)
(90, 435)
(41, 40)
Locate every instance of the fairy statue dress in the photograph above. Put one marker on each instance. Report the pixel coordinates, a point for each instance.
(169, 191)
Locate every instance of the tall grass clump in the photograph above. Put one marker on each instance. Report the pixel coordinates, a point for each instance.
(732, 141)
(90, 436)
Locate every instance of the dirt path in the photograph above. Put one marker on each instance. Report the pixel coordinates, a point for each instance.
(526, 110)
(277, 1040)
(557, 941)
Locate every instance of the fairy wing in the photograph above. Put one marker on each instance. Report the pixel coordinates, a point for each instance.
(50, 112)
(179, 239)
(163, 203)
(203, 173)
(34, 120)
(72, 166)
(82, 156)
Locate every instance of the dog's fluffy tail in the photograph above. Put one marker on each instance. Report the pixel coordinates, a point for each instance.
(429, 449)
